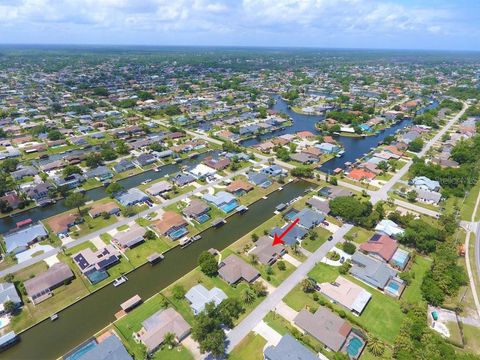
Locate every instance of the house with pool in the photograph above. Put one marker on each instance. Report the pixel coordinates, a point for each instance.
(335, 333)
(222, 200)
(197, 210)
(172, 225)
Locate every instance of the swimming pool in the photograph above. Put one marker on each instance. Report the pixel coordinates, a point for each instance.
(175, 234)
(291, 214)
(203, 218)
(393, 288)
(354, 346)
(96, 276)
(81, 350)
(229, 207)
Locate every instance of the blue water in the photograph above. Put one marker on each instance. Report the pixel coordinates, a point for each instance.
(393, 287)
(355, 148)
(203, 218)
(291, 214)
(229, 207)
(354, 345)
(82, 350)
(178, 233)
(96, 276)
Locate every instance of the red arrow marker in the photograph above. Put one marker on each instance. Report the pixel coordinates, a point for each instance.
(279, 239)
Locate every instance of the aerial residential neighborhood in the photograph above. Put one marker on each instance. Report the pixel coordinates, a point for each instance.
(285, 198)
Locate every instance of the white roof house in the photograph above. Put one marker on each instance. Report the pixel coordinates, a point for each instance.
(199, 296)
(347, 294)
(389, 228)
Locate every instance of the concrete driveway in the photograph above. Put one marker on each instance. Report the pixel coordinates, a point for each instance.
(265, 331)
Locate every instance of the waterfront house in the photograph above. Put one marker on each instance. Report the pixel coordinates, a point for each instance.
(198, 296)
(319, 205)
(273, 170)
(222, 200)
(172, 225)
(182, 179)
(288, 348)
(346, 293)
(123, 165)
(70, 182)
(100, 173)
(153, 331)
(8, 292)
(295, 235)
(259, 179)
(233, 269)
(159, 188)
(145, 159)
(197, 210)
(309, 218)
(132, 197)
(98, 209)
(40, 287)
(21, 239)
(40, 193)
(130, 238)
(360, 174)
(24, 171)
(239, 187)
(110, 348)
(61, 224)
(216, 164)
(332, 192)
(303, 158)
(328, 148)
(94, 264)
(266, 252)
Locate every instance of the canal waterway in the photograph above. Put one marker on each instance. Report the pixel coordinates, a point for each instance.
(49, 340)
(40, 213)
(355, 147)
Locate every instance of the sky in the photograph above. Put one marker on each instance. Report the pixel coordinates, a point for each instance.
(386, 24)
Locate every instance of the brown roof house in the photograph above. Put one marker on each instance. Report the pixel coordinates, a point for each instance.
(131, 237)
(40, 287)
(233, 269)
(266, 252)
(379, 246)
(154, 329)
(62, 223)
(110, 208)
(197, 209)
(330, 329)
(171, 224)
(239, 187)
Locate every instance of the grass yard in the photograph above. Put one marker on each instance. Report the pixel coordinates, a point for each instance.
(250, 348)
(138, 255)
(312, 245)
(472, 338)
(359, 235)
(412, 293)
(466, 209)
(176, 353)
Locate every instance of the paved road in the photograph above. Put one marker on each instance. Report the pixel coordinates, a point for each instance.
(275, 297)
(92, 235)
(417, 208)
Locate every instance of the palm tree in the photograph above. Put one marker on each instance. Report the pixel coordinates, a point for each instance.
(254, 258)
(248, 296)
(307, 286)
(169, 339)
(375, 345)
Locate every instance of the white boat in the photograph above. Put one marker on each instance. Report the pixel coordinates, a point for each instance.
(119, 281)
(146, 181)
(54, 317)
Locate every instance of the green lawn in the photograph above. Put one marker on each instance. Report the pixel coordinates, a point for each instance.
(176, 353)
(359, 235)
(466, 209)
(138, 255)
(413, 293)
(250, 348)
(312, 245)
(472, 338)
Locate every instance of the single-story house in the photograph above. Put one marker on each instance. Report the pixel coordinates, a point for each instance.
(93, 264)
(131, 237)
(197, 210)
(39, 288)
(332, 192)
(70, 182)
(259, 179)
(61, 224)
(328, 148)
(310, 218)
(360, 174)
(325, 326)
(430, 197)
(389, 228)
(101, 173)
(172, 224)
(422, 182)
(24, 172)
(373, 272)
(39, 192)
(159, 188)
(154, 328)
(319, 205)
(145, 159)
(198, 296)
(304, 158)
(288, 348)
(123, 165)
(182, 179)
(8, 292)
(381, 247)
(223, 200)
(272, 170)
(98, 209)
(233, 269)
(266, 252)
(21, 239)
(201, 171)
(216, 164)
(292, 237)
(346, 293)
(239, 187)
(131, 197)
